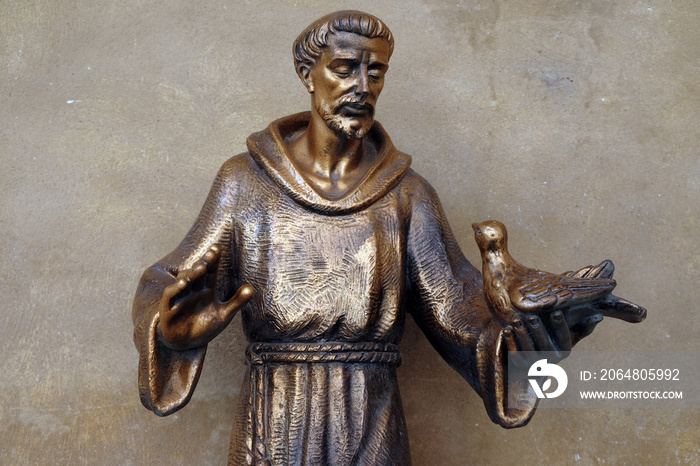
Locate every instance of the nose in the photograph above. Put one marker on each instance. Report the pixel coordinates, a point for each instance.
(362, 83)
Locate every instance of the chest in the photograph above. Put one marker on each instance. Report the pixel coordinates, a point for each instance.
(316, 274)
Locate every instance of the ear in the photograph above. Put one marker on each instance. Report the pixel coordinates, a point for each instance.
(304, 73)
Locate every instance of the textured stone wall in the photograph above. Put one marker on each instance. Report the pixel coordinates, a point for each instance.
(575, 123)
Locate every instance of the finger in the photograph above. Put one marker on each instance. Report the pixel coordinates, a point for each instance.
(510, 342)
(540, 335)
(618, 308)
(182, 281)
(198, 270)
(522, 338)
(178, 290)
(211, 260)
(560, 332)
(169, 293)
(172, 295)
(238, 300)
(196, 275)
(514, 356)
(212, 255)
(585, 328)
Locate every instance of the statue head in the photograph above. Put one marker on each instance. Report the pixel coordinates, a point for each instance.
(341, 58)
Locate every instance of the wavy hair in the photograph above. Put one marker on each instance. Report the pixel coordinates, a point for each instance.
(309, 46)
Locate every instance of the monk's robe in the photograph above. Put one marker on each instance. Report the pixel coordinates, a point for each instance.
(333, 281)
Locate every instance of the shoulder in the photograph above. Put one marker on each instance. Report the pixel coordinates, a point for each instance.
(416, 188)
(237, 165)
(240, 169)
(235, 176)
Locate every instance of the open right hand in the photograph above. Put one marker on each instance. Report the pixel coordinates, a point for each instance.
(191, 315)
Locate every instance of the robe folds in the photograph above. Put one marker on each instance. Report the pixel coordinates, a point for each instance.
(333, 280)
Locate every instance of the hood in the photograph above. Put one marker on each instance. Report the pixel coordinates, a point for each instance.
(269, 151)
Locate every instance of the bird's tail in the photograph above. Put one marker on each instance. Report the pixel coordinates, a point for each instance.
(611, 305)
(603, 270)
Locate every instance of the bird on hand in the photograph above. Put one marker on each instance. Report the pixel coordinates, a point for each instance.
(513, 290)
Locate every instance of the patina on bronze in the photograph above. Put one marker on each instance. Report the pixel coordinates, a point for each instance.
(324, 238)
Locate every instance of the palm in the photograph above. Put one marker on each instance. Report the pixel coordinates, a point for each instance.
(190, 312)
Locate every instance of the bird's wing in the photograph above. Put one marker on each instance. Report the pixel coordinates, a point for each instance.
(603, 270)
(544, 292)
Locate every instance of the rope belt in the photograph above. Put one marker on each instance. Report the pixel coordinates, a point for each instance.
(260, 354)
(354, 353)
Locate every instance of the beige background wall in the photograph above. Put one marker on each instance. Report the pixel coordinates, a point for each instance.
(575, 123)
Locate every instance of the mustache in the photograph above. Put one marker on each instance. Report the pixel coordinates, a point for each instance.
(355, 104)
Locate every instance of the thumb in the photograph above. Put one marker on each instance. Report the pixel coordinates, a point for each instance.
(242, 296)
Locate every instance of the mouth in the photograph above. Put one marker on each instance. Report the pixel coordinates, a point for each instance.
(355, 109)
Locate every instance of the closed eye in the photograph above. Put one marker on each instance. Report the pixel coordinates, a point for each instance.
(343, 68)
(343, 72)
(377, 71)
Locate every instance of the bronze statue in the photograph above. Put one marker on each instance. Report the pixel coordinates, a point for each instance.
(324, 239)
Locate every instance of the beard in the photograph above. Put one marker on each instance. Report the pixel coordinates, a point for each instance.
(350, 127)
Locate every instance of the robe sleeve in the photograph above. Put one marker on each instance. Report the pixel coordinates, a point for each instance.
(446, 299)
(167, 377)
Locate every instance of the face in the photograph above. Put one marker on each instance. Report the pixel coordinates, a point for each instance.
(346, 82)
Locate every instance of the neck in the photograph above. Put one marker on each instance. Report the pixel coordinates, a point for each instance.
(331, 155)
(497, 256)
(331, 163)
